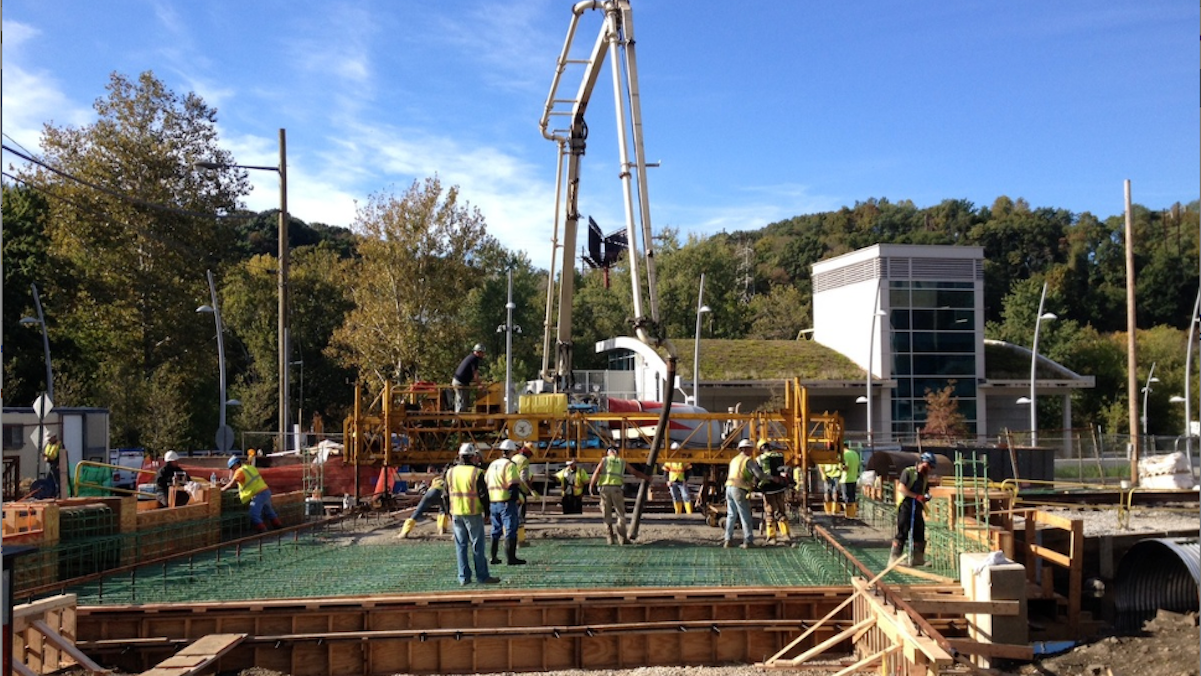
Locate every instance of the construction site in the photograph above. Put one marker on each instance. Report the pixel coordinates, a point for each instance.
(1016, 564)
(1011, 568)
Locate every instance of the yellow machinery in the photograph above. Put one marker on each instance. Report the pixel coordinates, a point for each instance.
(415, 426)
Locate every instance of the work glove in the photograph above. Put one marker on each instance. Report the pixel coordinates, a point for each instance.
(534, 495)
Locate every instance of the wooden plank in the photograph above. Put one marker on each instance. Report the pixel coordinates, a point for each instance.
(1001, 650)
(43, 606)
(923, 574)
(960, 606)
(195, 657)
(832, 641)
(1062, 560)
(868, 661)
(22, 670)
(68, 647)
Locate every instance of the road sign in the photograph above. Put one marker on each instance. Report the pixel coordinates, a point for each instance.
(42, 406)
(225, 438)
(40, 436)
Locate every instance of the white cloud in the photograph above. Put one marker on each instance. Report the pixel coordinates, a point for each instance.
(32, 98)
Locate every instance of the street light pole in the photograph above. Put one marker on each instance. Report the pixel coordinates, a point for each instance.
(701, 309)
(41, 321)
(216, 310)
(1038, 322)
(871, 355)
(1188, 377)
(281, 276)
(1147, 391)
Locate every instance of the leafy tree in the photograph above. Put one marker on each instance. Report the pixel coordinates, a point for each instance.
(944, 422)
(123, 220)
(418, 260)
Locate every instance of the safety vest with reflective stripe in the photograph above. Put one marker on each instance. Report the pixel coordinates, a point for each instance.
(501, 476)
(523, 466)
(675, 471)
(438, 483)
(831, 471)
(612, 470)
(573, 480)
(740, 473)
(252, 485)
(462, 480)
(51, 451)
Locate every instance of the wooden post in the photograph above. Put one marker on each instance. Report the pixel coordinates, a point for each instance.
(1132, 344)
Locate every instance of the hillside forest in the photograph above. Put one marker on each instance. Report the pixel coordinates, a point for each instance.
(117, 227)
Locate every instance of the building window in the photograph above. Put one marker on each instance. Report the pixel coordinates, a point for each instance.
(932, 341)
(14, 437)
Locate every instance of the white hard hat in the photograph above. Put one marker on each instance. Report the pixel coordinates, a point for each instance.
(745, 443)
(171, 456)
(467, 450)
(675, 446)
(508, 446)
(478, 348)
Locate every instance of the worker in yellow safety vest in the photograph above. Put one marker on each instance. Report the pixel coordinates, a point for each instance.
(677, 477)
(832, 480)
(742, 476)
(851, 470)
(609, 476)
(573, 481)
(504, 494)
(253, 491)
(468, 500)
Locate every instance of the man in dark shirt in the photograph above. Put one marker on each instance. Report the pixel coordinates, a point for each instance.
(166, 478)
(467, 374)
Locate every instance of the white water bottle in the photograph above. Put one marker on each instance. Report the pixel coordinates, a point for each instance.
(213, 478)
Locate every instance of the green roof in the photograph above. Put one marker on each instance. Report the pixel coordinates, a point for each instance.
(765, 360)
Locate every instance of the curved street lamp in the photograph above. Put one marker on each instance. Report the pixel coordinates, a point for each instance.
(282, 170)
(1147, 391)
(1033, 398)
(40, 320)
(224, 438)
(701, 309)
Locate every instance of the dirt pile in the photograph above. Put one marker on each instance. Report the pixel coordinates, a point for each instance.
(1169, 645)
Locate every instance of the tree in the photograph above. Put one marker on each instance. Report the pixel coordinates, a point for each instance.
(124, 219)
(418, 261)
(944, 422)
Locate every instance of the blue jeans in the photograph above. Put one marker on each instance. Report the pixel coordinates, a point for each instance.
(505, 517)
(469, 530)
(260, 506)
(431, 496)
(679, 491)
(738, 508)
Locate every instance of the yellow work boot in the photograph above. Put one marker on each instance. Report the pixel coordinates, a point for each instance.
(828, 507)
(521, 535)
(852, 510)
(688, 507)
(443, 523)
(784, 531)
(679, 507)
(408, 527)
(771, 534)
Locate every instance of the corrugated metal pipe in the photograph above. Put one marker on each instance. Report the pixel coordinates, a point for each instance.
(1161, 573)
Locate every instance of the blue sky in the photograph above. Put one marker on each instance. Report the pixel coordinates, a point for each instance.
(757, 111)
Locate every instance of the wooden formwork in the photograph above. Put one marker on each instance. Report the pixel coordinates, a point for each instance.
(43, 635)
(470, 632)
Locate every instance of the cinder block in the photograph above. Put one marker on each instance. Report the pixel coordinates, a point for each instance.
(1000, 582)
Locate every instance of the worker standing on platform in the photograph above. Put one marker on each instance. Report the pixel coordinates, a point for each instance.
(434, 494)
(743, 473)
(912, 487)
(609, 475)
(573, 481)
(166, 478)
(851, 470)
(677, 477)
(774, 487)
(832, 479)
(504, 493)
(253, 491)
(468, 500)
(467, 375)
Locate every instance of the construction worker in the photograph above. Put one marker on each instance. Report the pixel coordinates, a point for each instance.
(253, 491)
(167, 476)
(468, 500)
(573, 481)
(609, 475)
(504, 494)
(435, 493)
(467, 375)
(851, 469)
(743, 474)
(774, 488)
(522, 460)
(51, 453)
(912, 497)
(832, 480)
(677, 476)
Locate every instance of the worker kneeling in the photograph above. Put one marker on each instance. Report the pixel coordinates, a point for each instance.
(253, 491)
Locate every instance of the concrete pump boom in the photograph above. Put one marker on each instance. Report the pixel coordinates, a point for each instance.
(615, 40)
